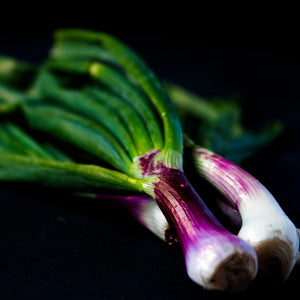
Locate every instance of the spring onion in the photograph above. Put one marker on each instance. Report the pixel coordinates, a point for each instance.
(215, 258)
(264, 224)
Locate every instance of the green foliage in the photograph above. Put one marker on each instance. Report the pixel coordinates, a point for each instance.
(97, 96)
(216, 124)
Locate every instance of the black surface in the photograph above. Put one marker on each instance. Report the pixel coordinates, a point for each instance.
(56, 247)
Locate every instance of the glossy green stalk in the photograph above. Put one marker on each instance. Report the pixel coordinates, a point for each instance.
(117, 83)
(192, 104)
(71, 176)
(93, 110)
(76, 130)
(16, 140)
(70, 127)
(69, 64)
(142, 74)
(122, 87)
(76, 49)
(87, 106)
(9, 144)
(138, 69)
(130, 119)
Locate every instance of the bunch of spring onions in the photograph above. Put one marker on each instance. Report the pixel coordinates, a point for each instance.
(94, 119)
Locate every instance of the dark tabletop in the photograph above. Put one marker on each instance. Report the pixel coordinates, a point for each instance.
(56, 247)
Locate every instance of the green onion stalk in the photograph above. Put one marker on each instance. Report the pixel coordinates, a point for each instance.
(83, 99)
(248, 203)
(264, 224)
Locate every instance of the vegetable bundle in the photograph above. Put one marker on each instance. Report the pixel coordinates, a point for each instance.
(94, 119)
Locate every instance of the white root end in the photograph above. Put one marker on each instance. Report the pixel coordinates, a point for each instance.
(264, 224)
(273, 236)
(232, 270)
(234, 273)
(275, 258)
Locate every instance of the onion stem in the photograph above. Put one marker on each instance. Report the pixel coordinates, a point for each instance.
(265, 226)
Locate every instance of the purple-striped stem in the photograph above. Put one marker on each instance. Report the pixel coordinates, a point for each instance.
(144, 210)
(264, 224)
(215, 258)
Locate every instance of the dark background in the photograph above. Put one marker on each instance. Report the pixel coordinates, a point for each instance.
(56, 247)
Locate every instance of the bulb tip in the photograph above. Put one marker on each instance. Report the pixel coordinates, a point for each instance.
(235, 273)
(276, 258)
(232, 269)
